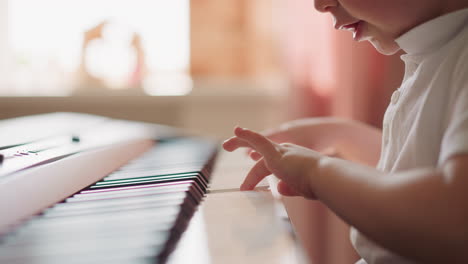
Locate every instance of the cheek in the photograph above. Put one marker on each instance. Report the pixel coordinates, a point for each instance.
(378, 12)
(359, 6)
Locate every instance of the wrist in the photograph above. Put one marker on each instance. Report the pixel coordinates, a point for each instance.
(321, 174)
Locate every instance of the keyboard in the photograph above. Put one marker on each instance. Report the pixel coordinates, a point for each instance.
(134, 214)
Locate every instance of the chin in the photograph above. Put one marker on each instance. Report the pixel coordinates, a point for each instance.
(385, 47)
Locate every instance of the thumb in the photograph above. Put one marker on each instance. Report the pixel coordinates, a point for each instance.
(286, 190)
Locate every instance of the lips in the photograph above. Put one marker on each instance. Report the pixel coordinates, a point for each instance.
(355, 27)
(350, 27)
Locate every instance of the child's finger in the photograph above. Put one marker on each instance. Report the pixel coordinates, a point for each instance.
(275, 135)
(258, 142)
(255, 175)
(234, 143)
(255, 155)
(248, 151)
(286, 190)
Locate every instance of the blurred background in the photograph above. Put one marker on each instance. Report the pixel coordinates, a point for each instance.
(201, 65)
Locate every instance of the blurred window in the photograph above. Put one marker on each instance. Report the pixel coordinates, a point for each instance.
(138, 44)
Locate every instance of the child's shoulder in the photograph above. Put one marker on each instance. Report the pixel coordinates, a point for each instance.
(457, 54)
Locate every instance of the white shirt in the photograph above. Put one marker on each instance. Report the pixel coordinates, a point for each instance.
(426, 122)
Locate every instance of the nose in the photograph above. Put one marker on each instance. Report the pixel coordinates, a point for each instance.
(325, 5)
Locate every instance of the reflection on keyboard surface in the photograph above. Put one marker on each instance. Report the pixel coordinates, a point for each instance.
(133, 215)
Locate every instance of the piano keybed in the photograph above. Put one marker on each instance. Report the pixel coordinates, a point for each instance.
(134, 215)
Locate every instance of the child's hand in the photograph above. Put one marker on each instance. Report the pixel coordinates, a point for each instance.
(346, 139)
(315, 133)
(292, 164)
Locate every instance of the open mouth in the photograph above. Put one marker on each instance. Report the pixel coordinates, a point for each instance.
(350, 27)
(356, 28)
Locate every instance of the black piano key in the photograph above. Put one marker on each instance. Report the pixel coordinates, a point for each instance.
(135, 188)
(190, 189)
(129, 193)
(204, 170)
(155, 168)
(115, 230)
(194, 189)
(145, 176)
(179, 151)
(203, 179)
(163, 214)
(117, 201)
(157, 171)
(124, 205)
(119, 204)
(153, 179)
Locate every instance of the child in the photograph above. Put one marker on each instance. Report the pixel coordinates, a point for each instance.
(407, 196)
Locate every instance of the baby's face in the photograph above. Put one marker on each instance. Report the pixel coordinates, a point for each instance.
(380, 21)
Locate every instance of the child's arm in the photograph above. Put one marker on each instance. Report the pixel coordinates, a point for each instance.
(420, 214)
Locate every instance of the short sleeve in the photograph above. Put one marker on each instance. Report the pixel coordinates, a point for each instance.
(455, 139)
